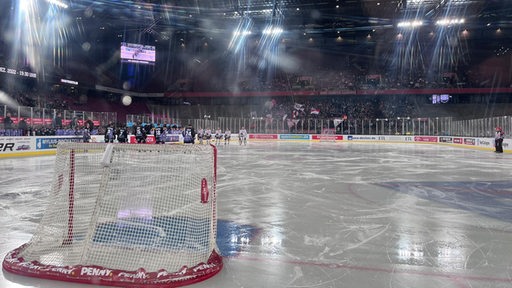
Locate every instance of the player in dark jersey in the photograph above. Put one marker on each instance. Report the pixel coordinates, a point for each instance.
(122, 135)
(140, 133)
(498, 140)
(189, 134)
(160, 132)
(87, 132)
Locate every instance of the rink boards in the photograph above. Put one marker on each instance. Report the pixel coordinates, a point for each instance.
(18, 146)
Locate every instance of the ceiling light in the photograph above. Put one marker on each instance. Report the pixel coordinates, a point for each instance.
(58, 3)
(273, 30)
(411, 24)
(448, 22)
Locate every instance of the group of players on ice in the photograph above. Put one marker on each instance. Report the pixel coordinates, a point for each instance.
(206, 135)
(161, 134)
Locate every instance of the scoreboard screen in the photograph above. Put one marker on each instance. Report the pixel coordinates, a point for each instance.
(138, 53)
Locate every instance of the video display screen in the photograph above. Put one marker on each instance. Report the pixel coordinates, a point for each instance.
(138, 53)
(440, 98)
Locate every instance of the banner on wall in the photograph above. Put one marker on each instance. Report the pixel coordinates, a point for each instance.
(15, 144)
(469, 141)
(51, 142)
(263, 136)
(294, 136)
(484, 142)
(444, 139)
(320, 137)
(364, 137)
(430, 139)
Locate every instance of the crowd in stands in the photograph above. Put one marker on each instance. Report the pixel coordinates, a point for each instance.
(349, 79)
(363, 108)
(310, 107)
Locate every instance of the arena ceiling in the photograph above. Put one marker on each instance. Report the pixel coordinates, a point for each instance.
(85, 41)
(161, 18)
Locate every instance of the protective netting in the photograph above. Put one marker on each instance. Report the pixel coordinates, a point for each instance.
(131, 207)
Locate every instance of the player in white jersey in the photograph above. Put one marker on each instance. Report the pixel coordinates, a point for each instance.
(207, 135)
(218, 136)
(242, 136)
(200, 135)
(227, 136)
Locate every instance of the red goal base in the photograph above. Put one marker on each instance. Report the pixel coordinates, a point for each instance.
(98, 275)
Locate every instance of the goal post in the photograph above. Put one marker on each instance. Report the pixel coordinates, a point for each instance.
(328, 135)
(128, 215)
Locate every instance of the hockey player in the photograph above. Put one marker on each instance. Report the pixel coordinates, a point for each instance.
(122, 135)
(189, 134)
(242, 136)
(175, 134)
(218, 136)
(158, 132)
(227, 136)
(207, 135)
(87, 132)
(498, 140)
(110, 134)
(200, 135)
(163, 135)
(140, 133)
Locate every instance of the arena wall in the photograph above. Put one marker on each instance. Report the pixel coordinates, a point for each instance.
(46, 145)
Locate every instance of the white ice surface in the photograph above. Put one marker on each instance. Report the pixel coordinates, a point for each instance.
(331, 215)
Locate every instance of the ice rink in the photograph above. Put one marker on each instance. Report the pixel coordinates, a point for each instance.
(325, 215)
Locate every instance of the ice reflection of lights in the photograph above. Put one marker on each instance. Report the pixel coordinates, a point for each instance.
(240, 240)
(271, 242)
(451, 257)
(233, 238)
(444, 254)
(408, 252)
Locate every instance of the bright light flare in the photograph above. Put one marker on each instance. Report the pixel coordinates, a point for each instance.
(39, 33)
(410, 24)
(448, 22)
(273, 30)
(242, 33)
(7, 100)
(58, 3)
(239, 35)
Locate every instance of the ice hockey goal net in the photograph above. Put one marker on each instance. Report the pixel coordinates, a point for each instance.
(328, 135)
(126, 215)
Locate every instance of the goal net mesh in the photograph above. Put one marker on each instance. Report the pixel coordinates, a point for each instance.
(126, 214)
(328, 135)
